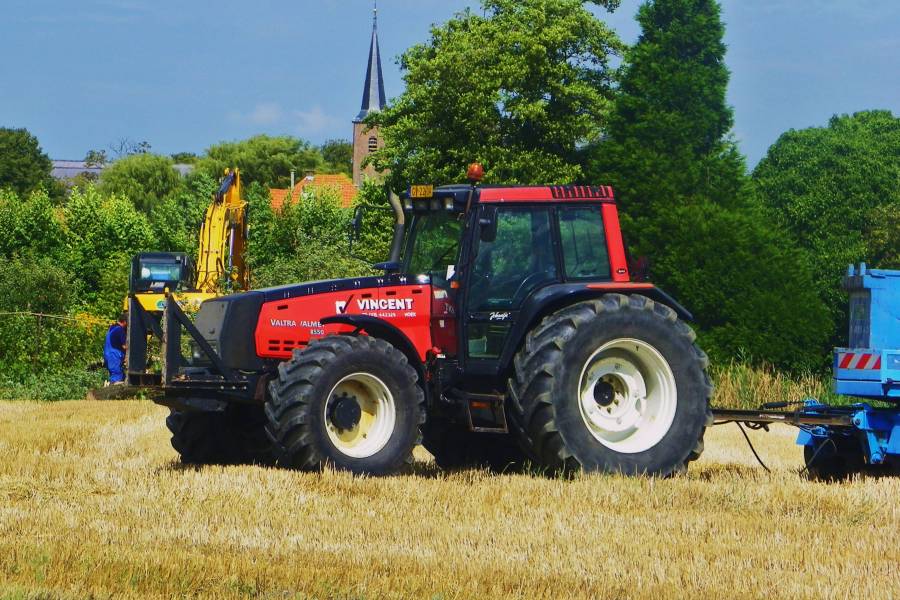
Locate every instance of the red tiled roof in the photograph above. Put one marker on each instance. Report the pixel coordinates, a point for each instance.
(277, 197)
(339, 183)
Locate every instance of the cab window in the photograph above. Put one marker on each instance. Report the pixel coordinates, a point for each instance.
(518, 260)
(433, 245)
(583, 242)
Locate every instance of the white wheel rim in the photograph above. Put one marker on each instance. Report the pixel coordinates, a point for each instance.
(634, 405)
(377, 415)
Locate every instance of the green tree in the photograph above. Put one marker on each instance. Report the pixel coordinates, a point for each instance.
(45, 345)
(30, 342)
(304, 241)
(836, 189)
(886, 236)
(36, 284)
(338, 156)
(23, 165)
(749, 289)
(176, 220)
(374, 241)
(104, 233)
(126, 147)
(521, 89)
(30, 226)
(262, 159)
(668, 135)
(145, 179)
(684, 195)
(184, 158)
(96, 158)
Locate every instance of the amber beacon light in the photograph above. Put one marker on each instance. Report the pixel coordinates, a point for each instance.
(475, 172)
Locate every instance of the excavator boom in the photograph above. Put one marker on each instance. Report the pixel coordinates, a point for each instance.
(223, 239)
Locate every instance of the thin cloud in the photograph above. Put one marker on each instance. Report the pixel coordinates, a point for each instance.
(263, 114)
(314, 121)
(266, 113)
(305, 122)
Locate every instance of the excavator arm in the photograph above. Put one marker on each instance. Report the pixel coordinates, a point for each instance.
(223, 239)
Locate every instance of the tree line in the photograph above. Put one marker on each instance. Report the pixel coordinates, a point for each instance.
(66, 253)
(540, 92)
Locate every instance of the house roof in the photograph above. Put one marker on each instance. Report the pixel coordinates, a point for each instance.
(339, 183)
(68, 169)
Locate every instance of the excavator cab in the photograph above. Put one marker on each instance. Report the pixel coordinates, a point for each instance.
(154, 272)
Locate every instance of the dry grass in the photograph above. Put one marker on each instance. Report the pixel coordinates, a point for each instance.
(94, 504)
(742, 386)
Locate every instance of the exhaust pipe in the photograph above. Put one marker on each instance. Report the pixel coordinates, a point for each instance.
(399, 226)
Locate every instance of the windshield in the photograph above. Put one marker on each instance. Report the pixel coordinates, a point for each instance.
(433, 244)
(160, 272)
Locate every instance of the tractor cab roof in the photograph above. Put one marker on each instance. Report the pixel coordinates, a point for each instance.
(458, 197)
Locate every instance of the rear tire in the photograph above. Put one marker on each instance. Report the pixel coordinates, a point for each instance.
(233, 436)
(614, 385)
(349, 401)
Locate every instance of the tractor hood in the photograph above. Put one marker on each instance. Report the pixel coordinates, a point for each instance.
(295, 290)
(225, 322)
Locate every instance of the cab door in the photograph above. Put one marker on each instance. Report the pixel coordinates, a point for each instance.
(514, 256)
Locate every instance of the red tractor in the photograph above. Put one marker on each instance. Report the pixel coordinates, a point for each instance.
(505, 330)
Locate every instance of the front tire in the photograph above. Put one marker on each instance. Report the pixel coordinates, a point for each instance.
(233, 436)
(614, 385)
(349, 401)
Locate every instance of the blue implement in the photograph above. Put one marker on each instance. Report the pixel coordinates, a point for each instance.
(868, 369)
(842, 440)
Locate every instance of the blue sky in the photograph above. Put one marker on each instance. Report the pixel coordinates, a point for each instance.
(183, 75)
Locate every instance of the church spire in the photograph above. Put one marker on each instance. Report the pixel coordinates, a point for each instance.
(373, 93)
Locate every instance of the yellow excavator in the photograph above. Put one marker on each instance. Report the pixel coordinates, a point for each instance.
(220, 265)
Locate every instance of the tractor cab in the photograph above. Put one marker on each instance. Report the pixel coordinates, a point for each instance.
(495, 255)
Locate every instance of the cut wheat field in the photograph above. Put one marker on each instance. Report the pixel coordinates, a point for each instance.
(93, 503)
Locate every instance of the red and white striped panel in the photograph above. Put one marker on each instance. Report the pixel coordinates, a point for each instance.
(863, 361)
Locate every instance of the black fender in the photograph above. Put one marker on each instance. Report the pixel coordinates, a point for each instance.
(381, 329)
(553, 297)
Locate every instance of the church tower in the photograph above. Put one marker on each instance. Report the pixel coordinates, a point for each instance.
(366, 140)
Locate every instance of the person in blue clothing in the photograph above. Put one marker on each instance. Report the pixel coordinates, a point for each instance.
(114, 350)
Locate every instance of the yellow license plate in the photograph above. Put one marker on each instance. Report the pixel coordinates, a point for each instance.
(421, 191)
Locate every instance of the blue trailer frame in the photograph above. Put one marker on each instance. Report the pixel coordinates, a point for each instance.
(877, 430)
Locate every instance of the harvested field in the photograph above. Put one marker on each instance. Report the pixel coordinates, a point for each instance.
(93, 503)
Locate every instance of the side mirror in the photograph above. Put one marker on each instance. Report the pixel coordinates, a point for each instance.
(388, 267)
(487, 225)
